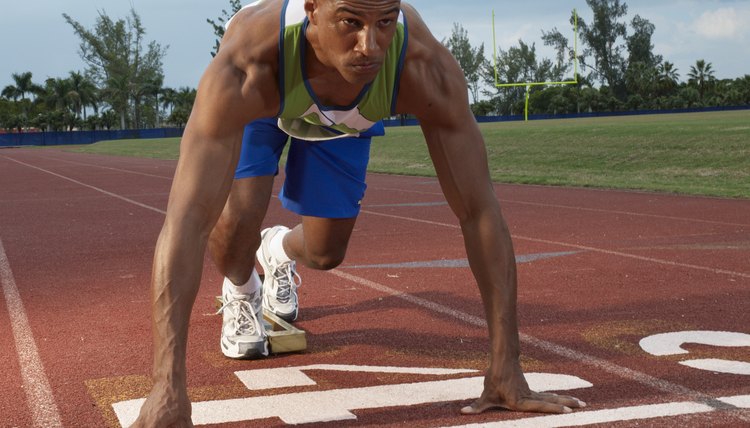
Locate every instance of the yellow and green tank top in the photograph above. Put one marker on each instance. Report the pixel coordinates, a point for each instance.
(301, 114)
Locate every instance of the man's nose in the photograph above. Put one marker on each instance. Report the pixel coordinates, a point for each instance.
(367, 43)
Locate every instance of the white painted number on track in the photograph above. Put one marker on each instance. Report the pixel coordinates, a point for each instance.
(338, 404)
(671, 344)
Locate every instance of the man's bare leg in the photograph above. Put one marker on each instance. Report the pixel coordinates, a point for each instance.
(319, 243)
(236, 236)
(232, 245)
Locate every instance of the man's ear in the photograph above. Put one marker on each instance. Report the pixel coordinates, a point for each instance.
(311, 7)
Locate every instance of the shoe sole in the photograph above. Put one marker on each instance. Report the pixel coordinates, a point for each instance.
(290, 317)
(256, 351)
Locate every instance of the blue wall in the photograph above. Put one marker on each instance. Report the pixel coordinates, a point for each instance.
(484, 119)
(89, 137)
(83, 137)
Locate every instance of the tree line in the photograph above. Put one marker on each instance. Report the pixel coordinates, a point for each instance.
(619, 70)
(121, 87)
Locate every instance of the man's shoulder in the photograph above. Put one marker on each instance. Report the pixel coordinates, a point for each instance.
(431, 78)
(424, 51)
(249, 55)
(422, 44)
(254, 28)
(257, 13)
(251, 37)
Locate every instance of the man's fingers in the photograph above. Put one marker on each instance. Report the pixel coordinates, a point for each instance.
(479, 406)
(564, 400)
(549, 403)
(528, 405)
(540, 403)
(541, 406)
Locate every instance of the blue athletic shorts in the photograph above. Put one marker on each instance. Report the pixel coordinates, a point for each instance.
(323, 178)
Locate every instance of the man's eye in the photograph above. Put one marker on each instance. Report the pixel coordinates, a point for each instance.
(352, 22)
(386, 22)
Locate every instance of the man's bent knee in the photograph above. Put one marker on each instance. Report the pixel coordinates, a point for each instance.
(320, 243)
(324, 261)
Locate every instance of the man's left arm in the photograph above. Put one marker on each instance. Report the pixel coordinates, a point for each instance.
(435, 90)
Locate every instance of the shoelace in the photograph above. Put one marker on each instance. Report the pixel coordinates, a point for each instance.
(287, 280)
(244, 317)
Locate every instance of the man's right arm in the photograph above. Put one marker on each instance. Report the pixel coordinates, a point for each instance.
(228, 98)
(434, 90)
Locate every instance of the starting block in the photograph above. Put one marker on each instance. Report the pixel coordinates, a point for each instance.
(282, 336)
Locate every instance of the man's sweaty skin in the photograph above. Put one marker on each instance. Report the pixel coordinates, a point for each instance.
(347, 42)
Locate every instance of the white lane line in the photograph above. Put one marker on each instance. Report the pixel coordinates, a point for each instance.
(604, 365)
(577, 419)
(576, 208)
(331, 405)
(454, 226)
(560, 350)
(127, 171)
(540, 204)
(435, 307)
(513, 201)
(628, 213)
(114, 195)
(39, 396)
(632, 413)
(641, 258)
(580, 247)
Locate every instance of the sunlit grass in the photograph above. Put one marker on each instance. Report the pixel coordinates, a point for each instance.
(694, 153)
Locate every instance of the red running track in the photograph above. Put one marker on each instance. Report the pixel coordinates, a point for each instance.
(612, 287)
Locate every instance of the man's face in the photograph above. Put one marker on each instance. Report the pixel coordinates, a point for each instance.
(354, 35)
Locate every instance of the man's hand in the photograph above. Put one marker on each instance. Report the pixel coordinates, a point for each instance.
(165, 407)
(506, 388)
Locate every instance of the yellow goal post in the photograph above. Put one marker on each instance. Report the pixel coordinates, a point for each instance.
(529, 85)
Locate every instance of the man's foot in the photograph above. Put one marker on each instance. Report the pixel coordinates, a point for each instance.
(281, 279)
(242, 333)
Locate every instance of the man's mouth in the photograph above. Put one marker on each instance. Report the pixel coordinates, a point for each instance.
(366, 67)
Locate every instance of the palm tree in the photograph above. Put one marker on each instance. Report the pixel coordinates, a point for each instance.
(168, 99)
(11, 92)
(701, 75)
(117, 93)
(668, 77)
(60, 100)
(23, 85)
(146, 91)
(641, 79)
(83, 93)
(109, 119)
(57, 94)
(184, 100)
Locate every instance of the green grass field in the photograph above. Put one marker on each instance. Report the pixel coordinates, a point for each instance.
(693, 153)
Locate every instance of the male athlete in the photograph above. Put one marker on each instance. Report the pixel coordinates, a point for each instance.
(323, 72)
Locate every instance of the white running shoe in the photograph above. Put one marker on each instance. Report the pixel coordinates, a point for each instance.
(242, 334)
(281, 279)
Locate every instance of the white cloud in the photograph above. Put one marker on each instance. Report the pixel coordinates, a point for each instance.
(724, 23)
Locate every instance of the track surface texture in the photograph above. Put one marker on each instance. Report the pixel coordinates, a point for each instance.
(637, 303)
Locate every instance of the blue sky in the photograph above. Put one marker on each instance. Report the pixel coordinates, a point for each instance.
(36, 38)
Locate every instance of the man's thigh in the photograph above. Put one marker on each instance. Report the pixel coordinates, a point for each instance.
(327, 236)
